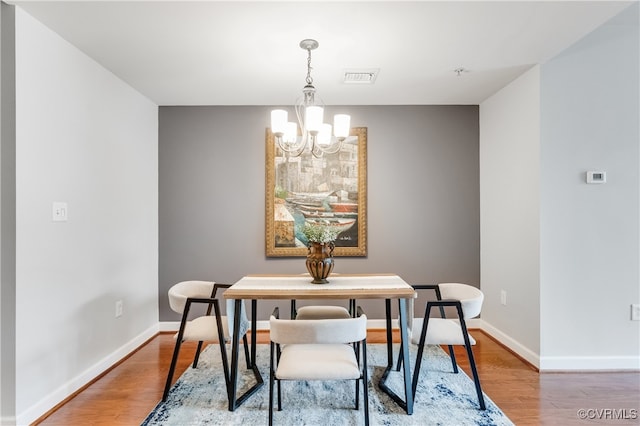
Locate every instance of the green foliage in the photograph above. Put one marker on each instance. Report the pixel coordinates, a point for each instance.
(320, 233)
(281, 192)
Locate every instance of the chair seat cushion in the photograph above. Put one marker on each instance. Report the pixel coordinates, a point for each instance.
(204, 328)
(439, 332)
(319, 362)
(322, 312)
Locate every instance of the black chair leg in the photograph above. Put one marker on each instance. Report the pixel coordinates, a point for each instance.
(452, 355)
(271, 373)
(472, 361)
(356, 349)
(421, 343)
(197, 355)
(476, 379)
(279, 397)
(172, 368)
(365, 384)
(278, 381)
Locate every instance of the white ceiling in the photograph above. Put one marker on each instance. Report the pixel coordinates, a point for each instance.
(247, 53)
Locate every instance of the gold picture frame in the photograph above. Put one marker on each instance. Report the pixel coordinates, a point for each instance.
(305, 188)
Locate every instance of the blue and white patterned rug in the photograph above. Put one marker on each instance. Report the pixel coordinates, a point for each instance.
(443, 398)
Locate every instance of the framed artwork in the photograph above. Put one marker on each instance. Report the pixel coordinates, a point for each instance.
(331, 189)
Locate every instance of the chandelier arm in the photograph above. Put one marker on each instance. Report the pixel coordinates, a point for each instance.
(295, 149)
(299, 108)
(331, 148)
(316, 151)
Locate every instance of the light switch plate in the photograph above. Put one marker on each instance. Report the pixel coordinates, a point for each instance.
(60, 211)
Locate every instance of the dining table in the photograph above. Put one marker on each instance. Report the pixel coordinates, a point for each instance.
(384, 286)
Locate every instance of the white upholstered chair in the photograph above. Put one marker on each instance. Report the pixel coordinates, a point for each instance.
(467, 302)
(318, 349)
(322, 311)
(207, 327)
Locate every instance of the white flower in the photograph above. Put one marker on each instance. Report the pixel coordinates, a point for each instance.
(320, 233)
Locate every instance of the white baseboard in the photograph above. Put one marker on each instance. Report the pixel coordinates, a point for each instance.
(563, 363)
(37, 410)
(517, 347)
(8, 421)
(589, 363)
(168, 326)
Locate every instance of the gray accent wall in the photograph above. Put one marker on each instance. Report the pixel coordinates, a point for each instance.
(423, 197)
(7, 215)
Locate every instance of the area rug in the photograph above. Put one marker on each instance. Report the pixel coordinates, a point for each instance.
(443, 398)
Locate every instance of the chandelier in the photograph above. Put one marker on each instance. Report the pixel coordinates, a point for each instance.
(315, 135)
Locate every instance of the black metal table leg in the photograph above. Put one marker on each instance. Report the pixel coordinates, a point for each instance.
(254, 337)
(387, 306)
(235, 402)
(407, 403)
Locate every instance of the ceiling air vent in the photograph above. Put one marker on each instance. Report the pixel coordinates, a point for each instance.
(367, 76)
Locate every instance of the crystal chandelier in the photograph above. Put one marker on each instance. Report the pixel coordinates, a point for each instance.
(320, 138)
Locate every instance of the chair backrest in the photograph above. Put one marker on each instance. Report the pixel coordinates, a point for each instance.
(324, 331)
(470, 297)
(179, 293)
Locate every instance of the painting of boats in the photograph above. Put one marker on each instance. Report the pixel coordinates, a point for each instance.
(329, 190)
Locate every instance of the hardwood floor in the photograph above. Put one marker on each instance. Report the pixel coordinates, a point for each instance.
(128, 392)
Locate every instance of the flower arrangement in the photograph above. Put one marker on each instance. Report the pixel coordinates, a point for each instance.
(319, 232)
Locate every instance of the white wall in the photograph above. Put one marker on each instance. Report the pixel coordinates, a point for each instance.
(85, 138)
(589, 233)
(509, 213)
(567, 253)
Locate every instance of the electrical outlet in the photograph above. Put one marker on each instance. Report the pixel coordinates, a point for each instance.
(503, 297)
(119, 308)
(635, 312)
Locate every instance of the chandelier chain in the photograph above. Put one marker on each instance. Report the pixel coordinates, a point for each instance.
(309, 79)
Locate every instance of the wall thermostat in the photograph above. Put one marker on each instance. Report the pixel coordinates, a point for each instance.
(596, 177)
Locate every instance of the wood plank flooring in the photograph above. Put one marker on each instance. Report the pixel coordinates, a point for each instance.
(127, 393)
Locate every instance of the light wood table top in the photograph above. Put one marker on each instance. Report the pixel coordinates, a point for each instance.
(343, 286)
